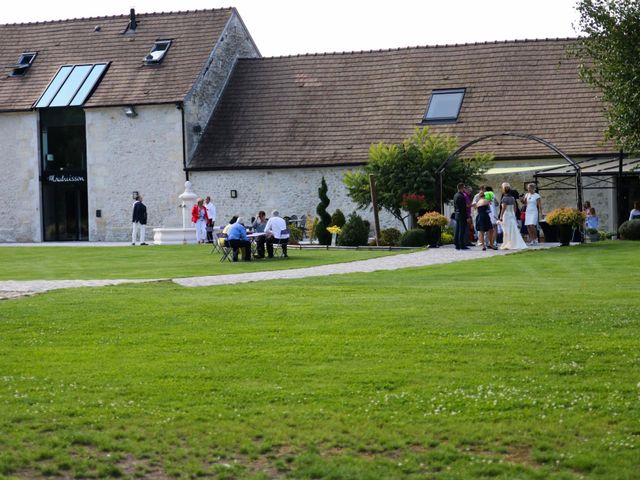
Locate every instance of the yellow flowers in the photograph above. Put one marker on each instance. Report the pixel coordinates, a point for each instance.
(433, 219)
(566, 216)
(334, 230)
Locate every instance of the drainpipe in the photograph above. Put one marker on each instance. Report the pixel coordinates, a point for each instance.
(180, 107)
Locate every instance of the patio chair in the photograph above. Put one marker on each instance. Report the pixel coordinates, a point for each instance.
(278, 252)
(226, 249)
(216, 244)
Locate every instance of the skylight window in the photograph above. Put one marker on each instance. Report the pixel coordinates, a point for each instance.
(444, 105)
(72, 85)
(24, 62)
(157, 53)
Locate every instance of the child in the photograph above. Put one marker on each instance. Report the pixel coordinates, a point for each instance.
(592, 219)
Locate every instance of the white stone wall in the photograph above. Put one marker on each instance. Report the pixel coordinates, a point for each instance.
(20, 215)
(291, 191)
(124, 154)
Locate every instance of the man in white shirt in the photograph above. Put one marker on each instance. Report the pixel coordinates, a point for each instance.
(276, 232)
(211, 213)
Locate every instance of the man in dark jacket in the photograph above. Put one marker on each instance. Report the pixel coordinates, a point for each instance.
(139, 220)
(460, 208)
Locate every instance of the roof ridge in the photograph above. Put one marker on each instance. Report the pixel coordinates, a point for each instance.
(423, 47)
(123, 16)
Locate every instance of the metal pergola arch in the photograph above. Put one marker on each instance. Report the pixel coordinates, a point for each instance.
(526, 136)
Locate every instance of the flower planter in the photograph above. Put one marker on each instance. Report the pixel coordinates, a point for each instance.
(433, 236)
(564, 233)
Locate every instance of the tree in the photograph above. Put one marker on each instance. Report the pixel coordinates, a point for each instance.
(324, 237)
(610, 55)
(410, 168)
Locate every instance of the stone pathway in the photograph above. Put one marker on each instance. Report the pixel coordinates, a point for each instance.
(16, 288)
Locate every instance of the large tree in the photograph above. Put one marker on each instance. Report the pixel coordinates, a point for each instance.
(611, 62)
(410, 168)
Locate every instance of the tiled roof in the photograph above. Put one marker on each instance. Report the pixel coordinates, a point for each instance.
(328, 109)
(127, 81)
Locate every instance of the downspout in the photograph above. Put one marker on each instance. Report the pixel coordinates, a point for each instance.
(180, 107)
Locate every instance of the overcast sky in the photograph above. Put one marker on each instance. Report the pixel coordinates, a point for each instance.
(285, 27)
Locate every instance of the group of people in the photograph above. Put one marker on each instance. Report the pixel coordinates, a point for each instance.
(203, 216)
(495, 220)
(267, 232)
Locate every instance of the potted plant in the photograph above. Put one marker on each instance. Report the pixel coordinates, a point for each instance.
(592, 235)
(566, 219)
(433, 223)
(334, 230)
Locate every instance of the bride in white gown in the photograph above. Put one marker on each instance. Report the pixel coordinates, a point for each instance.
(512, 240)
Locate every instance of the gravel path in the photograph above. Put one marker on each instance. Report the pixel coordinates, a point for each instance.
(16, 288)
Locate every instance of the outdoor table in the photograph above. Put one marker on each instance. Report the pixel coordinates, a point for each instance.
(253, 238)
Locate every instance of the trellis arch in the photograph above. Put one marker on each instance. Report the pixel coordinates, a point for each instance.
(551, 146)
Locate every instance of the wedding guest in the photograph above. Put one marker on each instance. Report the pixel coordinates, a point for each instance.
(474, 205)
(460, 209)
(223, 241)
(211, 214)
(199, 218)
(274, 233)
(139, 221)
(259, 225)
(483, 220)
(493, 215)
(469, 231)
(237, 236)
(592, 220)
(533, 203)
(635, 213)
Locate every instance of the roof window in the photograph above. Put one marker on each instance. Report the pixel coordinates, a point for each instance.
(24, 62)
(157, 53)
(72, 85)
(444, 105)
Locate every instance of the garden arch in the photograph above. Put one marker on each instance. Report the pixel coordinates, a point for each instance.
(551, 146)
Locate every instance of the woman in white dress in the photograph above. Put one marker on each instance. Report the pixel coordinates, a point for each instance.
(532, 213)
(512, 240)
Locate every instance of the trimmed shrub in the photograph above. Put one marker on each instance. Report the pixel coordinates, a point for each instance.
(416, 237)
(295, 234)
(355, 232)
(630, 230)
(338, 219)
(324, 237)
(390, 237)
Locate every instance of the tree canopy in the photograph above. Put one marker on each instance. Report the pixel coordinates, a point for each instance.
(410, 168)
(611, 62)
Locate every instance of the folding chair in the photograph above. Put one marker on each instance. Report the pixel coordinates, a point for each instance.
(277, 247)
(216, 244)
(226, 250)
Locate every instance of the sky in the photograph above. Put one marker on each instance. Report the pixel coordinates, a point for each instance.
(289, 27)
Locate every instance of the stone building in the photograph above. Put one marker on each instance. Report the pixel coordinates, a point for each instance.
(92, 110)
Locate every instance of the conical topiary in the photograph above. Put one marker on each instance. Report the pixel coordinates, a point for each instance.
(324, 237)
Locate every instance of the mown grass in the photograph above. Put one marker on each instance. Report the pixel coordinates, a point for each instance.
(68, 263)
(524, 366)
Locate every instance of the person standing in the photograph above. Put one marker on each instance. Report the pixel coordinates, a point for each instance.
(483, 221)
(532, 213)
(512, 240)
(139, 220)
(199, 218)
(635, 213)
(460, 211)
(211, 214)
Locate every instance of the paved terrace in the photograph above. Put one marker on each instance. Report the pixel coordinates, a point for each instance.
(447, 254)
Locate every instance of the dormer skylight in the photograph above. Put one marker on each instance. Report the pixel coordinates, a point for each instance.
(157, 53)
(24, 62)
(444, 105)
(72, 85)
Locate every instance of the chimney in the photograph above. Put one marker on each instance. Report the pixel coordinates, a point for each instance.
(133, 24)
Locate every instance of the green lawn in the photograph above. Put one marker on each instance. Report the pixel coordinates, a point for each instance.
(54, 263)
(523, 366)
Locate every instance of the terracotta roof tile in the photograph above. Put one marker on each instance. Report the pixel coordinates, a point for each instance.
(328, 109)
(194, 35)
